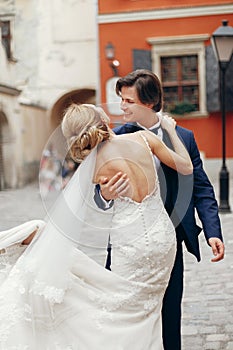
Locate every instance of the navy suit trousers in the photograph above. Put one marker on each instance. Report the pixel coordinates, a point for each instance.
(171, 311)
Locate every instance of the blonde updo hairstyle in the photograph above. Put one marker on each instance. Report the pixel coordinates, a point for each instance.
(84, 127)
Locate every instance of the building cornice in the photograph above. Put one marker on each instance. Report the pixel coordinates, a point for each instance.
(178, 39)
(180, 12)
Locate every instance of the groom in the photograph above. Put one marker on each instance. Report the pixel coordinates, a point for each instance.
(141, 100)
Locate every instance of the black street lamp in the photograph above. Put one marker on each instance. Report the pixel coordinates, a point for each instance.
(222, 42)
(110, 55)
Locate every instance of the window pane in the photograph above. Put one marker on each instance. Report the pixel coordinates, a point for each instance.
(169, 69)
(170, 97)
(180, 83)
(190, 95)
(6, 37)
(189, 67)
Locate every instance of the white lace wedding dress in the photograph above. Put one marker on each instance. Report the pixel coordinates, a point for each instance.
(57, 295)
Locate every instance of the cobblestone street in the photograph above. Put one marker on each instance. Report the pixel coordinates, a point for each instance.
(208, 294)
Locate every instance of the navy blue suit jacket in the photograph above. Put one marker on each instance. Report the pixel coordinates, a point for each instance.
(183, 194)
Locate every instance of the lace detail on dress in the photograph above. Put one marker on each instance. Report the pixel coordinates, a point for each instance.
(19, 291)
(8, 257)
(51, 293)
(11, 314)
(21, 282)
(131, 297)
(143, 248)
(107, 306)
(41, 288)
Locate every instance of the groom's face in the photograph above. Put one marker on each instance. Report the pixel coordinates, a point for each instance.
(134, 110)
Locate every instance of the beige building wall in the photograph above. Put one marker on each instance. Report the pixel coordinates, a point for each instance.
(54, 58)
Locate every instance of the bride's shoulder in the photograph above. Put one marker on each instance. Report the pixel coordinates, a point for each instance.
(145, 135)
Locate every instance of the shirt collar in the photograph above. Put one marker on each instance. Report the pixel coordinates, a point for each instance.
(157, 125)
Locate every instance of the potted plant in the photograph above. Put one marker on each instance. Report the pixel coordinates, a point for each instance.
(181, 108)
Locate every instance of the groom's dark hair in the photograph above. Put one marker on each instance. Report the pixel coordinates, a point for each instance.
(148, 87)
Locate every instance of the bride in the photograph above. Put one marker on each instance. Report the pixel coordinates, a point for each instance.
(55, 293)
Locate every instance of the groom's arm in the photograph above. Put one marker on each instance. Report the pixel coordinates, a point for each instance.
(100, 201)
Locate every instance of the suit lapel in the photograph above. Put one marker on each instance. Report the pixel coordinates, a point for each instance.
(166, 140)
(132, 128)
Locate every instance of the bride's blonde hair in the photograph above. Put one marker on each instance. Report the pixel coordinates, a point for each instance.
(84, 127)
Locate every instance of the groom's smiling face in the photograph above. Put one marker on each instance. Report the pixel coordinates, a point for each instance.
(134, 110)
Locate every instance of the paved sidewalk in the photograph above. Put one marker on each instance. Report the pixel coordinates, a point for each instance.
(208, 295)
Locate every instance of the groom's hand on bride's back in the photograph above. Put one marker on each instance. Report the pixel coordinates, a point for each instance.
(117, 186)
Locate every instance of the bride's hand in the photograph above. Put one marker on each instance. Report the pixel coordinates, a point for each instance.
(168, 123)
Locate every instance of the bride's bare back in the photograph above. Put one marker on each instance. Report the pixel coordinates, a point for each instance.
(129, 154)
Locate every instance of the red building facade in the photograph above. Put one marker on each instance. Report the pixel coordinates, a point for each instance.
(173, 40)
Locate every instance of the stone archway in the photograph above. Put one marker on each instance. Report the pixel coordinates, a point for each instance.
(57, 112)
(75, 96)
(55, 151)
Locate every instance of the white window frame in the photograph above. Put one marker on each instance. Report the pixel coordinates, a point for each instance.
(184, 45)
